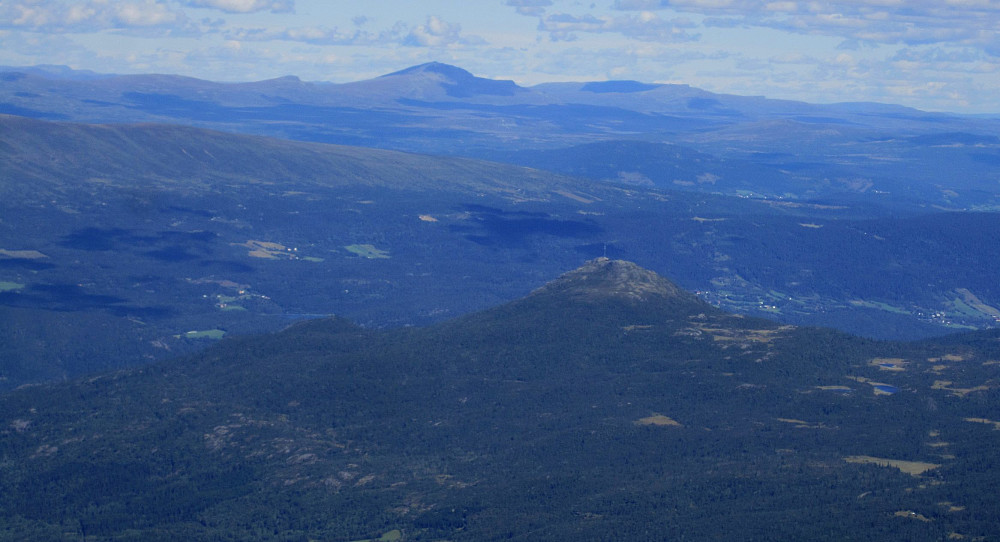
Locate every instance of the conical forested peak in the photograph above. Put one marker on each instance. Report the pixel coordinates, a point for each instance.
(604, 278)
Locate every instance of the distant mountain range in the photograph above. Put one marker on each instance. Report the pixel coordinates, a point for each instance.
(606, 405)
(784, 149)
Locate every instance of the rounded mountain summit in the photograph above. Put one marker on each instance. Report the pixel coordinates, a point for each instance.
(602, 279)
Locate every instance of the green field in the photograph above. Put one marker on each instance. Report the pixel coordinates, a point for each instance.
(368, 251)
(878, 305)
(206, 334)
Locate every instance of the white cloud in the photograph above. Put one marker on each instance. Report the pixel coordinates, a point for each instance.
(639, 4)
(435, 33)
(646, 26)
(782, 6)
(145, 14)
(89, 16)
(21, 48)
(245, 6)
(962, 22)
(318, 35)
(439, 33)
(93, 15)
(529, 7)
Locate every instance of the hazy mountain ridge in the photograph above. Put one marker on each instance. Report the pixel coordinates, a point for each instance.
(457, 82)
(142, 155)
(458, 85)
(440, 109)
(551, 415)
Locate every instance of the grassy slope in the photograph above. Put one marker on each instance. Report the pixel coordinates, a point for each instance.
(182, 158)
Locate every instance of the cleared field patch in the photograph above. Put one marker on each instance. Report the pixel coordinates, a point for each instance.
(368, 251)
(996, 425)
(231, 302)
(940, 446)
(799, 205)
(802, 424)
(944, 362)
(745, 335)
(910, 514)
(972, 301)
(951, 507)
(947, 357)
(658, 420)
(205, 334)
(576, 197)
(946, 385)
(6, 286)
(889, 364)
(22, 254)
(225, 283)
(878, 305)
(913, 468)
(268, 250)
(878, 388)
(839, 389)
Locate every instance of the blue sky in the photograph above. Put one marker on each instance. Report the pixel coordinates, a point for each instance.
(941, 55)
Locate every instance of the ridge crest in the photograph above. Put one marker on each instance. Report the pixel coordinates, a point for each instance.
(606, 278)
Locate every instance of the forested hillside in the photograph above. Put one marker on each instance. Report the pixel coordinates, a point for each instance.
(608, 405)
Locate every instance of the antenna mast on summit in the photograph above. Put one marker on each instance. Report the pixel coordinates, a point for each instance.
(605, 250)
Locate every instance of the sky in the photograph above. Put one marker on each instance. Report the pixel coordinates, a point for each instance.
(936, 55)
